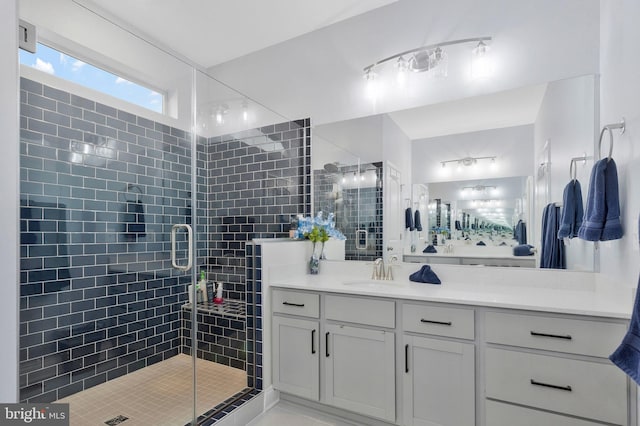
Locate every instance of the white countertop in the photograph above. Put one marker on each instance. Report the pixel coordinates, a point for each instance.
(566, 292)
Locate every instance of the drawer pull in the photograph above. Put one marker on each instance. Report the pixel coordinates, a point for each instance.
(554, 336)
(298, 305)
(422, 320)
(547, 385)
(313, 341)
(406, 358)
(326, 344)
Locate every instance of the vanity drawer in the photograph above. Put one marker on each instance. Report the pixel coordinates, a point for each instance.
(380, 313)
(501, 414)
(583, 337)
(440, 321)
(296, 303)
(581, 388)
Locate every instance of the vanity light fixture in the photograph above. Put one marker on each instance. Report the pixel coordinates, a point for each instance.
(479, 188)
(433, 59)
(468, 161)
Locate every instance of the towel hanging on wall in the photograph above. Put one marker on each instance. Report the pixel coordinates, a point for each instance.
(627, 355)
(417, 222)
(408, 219)
(572, 210)
(602, 214)
(552, 252)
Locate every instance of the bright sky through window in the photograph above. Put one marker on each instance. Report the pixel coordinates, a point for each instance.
(67, 67)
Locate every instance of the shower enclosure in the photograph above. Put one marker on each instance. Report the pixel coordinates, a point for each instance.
(106, 321)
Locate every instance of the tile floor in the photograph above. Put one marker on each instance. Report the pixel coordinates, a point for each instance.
(158, 395)
(287, 414)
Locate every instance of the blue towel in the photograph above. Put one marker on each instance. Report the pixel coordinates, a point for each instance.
(602, 214)
(522, 250)
(612, 229)
(520, 232)
(425, 275)
(552, 252)
(627, 355)
(430, 249)
(408, 219)
(417, 223)
(572, 211)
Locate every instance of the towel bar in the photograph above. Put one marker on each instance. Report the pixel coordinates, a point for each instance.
(609, 127)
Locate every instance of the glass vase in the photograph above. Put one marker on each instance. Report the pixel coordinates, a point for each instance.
(314, 264)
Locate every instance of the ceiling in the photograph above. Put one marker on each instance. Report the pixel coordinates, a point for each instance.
(303, 58)
(212, 32)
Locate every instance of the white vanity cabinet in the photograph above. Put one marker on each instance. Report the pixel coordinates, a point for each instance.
(439, 375)
(432, 363)
(554, 368)
(296, 350)
(359, 361)
(352, 340)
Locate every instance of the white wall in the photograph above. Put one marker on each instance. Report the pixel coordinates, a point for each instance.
(396, 148)
(619, 88)
(9, 214)
(567, 120)
(513, 147)
(320, 73)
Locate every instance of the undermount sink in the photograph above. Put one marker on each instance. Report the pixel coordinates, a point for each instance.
(371, 283)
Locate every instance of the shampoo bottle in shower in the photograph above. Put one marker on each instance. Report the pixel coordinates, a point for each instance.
(218, 299)
(202, 287)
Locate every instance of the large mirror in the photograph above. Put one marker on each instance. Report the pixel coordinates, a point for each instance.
(473, 184)
(539, 52)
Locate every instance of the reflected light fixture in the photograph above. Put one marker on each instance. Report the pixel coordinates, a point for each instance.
(468, 161)
(431, 59)
(479, 188)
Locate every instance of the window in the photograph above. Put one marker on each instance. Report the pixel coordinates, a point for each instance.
(53, 62)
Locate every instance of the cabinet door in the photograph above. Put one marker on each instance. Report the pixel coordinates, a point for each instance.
(439, 382)
(296, 368)
(360, 370)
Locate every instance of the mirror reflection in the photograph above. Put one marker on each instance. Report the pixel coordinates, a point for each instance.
(475, 167)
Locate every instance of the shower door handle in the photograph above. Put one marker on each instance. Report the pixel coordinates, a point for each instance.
(174, 262)
(361, 239)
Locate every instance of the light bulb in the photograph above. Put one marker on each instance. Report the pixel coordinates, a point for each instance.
(481, 64)
(219, 119)
(371, 85)
(402, 68)
(245, 111)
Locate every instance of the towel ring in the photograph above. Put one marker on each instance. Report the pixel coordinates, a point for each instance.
(610, 143)
(573, 171)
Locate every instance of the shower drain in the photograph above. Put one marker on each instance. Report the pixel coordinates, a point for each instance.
(116, 420)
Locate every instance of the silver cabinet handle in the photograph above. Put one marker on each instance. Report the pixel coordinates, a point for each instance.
(174, 262)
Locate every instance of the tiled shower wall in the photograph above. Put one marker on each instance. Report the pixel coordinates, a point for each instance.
(354, 209)
(100, 190)
(258, 181)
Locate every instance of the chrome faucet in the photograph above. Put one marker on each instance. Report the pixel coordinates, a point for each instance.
(389, 274)
(379, 270)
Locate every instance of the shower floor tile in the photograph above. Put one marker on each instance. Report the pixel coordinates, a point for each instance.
(160, 394)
